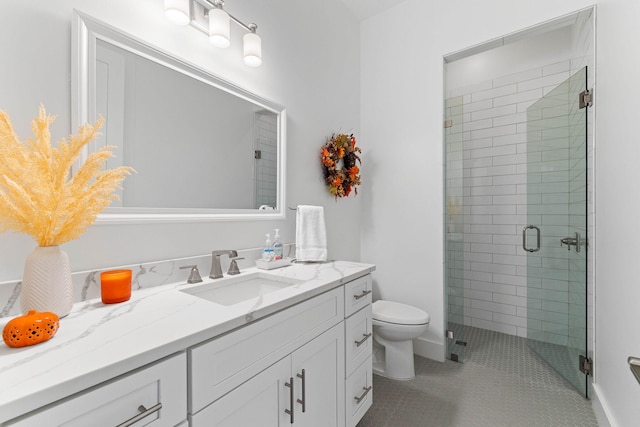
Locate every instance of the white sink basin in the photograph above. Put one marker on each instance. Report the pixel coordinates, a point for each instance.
(234, 290)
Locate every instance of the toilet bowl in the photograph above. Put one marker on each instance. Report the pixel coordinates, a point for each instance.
(395, 325)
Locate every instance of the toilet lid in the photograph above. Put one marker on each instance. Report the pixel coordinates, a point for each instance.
(396, 312)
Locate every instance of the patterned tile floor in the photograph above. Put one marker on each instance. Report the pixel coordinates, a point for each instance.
(501, 384)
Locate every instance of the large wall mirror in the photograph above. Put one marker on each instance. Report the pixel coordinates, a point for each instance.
(203, 148)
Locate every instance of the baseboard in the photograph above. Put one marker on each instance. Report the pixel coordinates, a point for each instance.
(429, 349)
(601, 409)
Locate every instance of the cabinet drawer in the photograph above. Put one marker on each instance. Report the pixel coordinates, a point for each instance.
(224, 363)
(357, 294)
(358, 339)
(162, 385)
(359, 393)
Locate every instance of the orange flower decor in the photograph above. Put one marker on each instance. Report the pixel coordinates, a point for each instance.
(338, 157)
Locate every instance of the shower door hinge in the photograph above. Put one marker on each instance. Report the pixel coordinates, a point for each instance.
(585, 99)
(586, 365)
(448, 123)
(257, 154)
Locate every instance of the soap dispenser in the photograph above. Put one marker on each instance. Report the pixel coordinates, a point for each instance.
(267, 253)
(277, 245)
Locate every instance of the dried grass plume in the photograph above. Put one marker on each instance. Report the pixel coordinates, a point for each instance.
(37, 197)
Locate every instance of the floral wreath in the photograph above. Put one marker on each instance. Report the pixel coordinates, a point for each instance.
(341, 180)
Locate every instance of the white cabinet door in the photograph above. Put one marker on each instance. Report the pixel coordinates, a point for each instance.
(261, 401)
(318, 373)
(267, 399)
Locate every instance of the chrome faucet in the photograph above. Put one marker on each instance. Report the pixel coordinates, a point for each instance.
(216, 269)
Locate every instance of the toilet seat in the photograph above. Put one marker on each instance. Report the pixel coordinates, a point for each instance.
(398, 313)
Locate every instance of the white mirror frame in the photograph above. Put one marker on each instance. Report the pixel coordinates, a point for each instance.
(85, 32)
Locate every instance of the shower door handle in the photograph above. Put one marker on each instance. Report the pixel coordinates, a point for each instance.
(524, 238)
(575, 241)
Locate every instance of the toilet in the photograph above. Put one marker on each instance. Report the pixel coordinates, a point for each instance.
(395, 325)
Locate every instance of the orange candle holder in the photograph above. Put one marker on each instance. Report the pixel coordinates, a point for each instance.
(115, 286)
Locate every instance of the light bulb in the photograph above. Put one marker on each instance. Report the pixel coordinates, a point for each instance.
(219, 31)
(252, 49)
(177, 11)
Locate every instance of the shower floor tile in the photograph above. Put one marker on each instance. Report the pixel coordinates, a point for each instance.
(501, 383)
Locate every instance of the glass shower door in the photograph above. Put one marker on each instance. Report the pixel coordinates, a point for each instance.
(454, 229)
(555, 236)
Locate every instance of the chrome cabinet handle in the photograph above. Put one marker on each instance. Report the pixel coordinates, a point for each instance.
(524, 238)
(144, 412)
(362, 295)
(362, 396)
(290, 411)
(304, 387)
(366, 337)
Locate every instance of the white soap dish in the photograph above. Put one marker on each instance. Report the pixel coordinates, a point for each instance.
(270, 265)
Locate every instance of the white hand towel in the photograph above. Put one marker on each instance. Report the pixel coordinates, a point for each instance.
(311, 235)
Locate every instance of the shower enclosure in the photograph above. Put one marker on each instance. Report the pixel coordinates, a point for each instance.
(540, 229)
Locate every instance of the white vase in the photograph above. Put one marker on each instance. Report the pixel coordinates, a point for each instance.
(46, 283)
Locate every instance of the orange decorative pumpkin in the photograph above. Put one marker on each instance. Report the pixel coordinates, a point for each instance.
(31, 328)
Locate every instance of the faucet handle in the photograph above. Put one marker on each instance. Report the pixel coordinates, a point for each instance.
(194, 274)
(233, 267)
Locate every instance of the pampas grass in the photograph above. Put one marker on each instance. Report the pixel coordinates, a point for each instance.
(37, 197)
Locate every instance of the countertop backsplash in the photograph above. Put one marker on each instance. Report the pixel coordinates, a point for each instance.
(86, 284)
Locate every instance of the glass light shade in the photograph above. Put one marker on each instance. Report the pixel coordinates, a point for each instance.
(219, 28)
(177, 11)
(252, 49)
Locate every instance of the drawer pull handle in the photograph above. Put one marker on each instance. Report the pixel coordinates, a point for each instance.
(362, 295)
(362, 396)
(290, 411)
(366, 337)
(304, 399)
(144, 412)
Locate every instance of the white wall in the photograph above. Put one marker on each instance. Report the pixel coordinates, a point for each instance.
(402, 87)
(519, 55)
(616, 172)
(311, 57)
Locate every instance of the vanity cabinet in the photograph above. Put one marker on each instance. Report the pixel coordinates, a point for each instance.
(286, 367)
(307, 364)
(302, 389)
(156, 395)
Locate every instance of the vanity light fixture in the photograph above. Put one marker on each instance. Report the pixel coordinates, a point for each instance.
(210, 17)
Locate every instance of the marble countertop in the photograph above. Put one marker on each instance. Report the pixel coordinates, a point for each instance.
(97, 342)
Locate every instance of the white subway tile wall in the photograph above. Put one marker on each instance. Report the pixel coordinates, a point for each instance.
(487, 199)
(267, 165)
